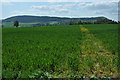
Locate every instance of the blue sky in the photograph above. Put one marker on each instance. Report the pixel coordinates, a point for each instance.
(108, 9)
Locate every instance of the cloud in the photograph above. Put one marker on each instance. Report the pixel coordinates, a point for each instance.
(71, 9)
(53, 9)
(43, 8)
(102, 7)
(95, 7)
(57, 0)
(49, 9)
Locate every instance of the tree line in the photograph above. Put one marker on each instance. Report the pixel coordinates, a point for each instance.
(72, 22)
(99, 21)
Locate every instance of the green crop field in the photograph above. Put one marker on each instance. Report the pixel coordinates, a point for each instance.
(60, 51)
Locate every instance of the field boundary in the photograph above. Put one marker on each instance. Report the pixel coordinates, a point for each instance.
(94, 49)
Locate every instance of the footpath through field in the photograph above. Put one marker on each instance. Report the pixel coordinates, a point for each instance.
(98, 60)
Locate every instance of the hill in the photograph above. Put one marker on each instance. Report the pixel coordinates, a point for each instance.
(46, 19)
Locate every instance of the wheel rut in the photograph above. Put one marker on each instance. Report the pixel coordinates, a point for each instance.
(92, 49)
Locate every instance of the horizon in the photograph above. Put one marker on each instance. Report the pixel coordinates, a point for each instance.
(59, 17)
(55, 16)
(61, 9)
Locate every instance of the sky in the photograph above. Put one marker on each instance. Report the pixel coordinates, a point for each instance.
(77, 9)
